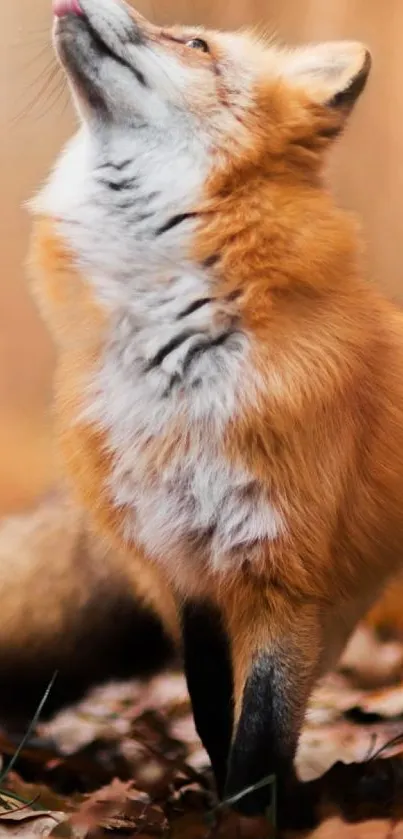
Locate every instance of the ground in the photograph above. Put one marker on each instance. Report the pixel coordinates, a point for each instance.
(127, 762)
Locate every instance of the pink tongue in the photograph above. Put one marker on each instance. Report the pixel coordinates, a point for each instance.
(66, 7)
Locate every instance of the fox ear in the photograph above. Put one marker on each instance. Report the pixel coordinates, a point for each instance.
(332, 74)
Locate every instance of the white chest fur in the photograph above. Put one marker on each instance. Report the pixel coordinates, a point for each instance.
(168, 357)
(169, 368)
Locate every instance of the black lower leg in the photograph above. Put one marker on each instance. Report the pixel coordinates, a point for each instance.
(209, 676)
(266, 738)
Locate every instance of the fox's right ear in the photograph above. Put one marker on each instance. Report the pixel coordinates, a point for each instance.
(333, 74)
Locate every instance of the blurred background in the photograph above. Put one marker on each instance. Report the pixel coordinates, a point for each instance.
(35, 118)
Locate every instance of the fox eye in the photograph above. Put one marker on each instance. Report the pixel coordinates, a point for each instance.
(198, 44)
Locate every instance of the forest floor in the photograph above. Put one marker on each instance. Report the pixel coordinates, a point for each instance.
(126, 762)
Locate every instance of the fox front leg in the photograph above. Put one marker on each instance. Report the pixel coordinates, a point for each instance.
(275, 651)
(208, 670)
(250, 666)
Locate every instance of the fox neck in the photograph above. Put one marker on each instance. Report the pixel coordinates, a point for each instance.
(125, 211)
(114, 197)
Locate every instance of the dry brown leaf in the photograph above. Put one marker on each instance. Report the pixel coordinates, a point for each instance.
(321, 747)
(334, 695)
(337, 829)
(98, 716)
(387, 702)
(109, 710)
(103, 804)
(371, 661)
(145, 730)
(44, 797)
(120, 806)
(27, 829)
(25, 823)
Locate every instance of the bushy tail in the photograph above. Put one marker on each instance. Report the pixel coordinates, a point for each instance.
(70, 603)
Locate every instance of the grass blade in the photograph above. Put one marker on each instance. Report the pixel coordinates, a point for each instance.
(29, 730)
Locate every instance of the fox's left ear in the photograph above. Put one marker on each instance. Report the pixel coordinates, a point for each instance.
(332, 74)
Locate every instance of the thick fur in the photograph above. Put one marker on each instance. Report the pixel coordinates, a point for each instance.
(71, 604)
(229, 395)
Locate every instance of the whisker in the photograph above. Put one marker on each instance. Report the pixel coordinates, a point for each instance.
(34, 58)
(66, 101)
(49, 74)
(53, 98)
(42, 74)
(47, 95)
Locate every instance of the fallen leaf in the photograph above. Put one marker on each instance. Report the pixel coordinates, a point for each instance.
(337, 829)
(44, 797)
(120, 806)
(321, 747)
(371, 661)
(143, 733)
(24, 822)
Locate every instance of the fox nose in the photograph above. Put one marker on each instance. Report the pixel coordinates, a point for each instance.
(61, 8)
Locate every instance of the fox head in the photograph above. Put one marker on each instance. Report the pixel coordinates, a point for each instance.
(179, 123)
(209, 87)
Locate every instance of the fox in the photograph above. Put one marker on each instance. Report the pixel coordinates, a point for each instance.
(229, 388)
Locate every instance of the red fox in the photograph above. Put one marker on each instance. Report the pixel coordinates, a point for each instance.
(229, 393)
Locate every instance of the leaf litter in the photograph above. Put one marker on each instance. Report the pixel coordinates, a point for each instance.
(127, 761)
